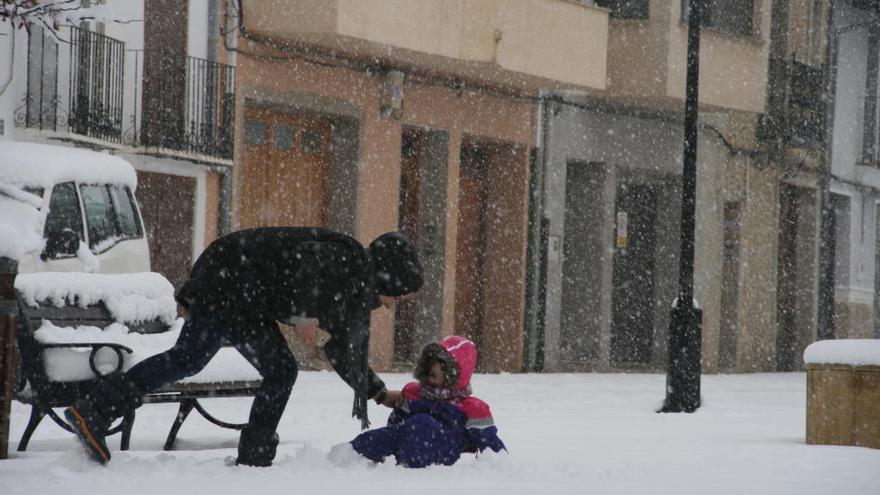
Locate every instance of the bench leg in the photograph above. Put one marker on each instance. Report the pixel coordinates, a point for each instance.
(127, 425)
(37, 414)
(222, 424)
(186, 406)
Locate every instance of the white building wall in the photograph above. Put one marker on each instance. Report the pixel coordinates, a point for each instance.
(855, 252)
(197, 31)
(849, 95)
(13, 77)
(7, 85)
(131, 32)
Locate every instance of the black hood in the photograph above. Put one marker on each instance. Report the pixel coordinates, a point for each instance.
(397, 265)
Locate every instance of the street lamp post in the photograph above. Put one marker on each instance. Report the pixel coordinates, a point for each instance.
(685, 333)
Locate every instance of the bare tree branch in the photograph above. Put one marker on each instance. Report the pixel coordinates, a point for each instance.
(51, 13)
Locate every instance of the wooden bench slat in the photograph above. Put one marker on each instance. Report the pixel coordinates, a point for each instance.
(68, 313)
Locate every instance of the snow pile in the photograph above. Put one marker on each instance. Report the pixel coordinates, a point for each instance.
(130, 297)
(21, 223)
(42, 165)
(568, 434)
(63, 365)
(854, 352)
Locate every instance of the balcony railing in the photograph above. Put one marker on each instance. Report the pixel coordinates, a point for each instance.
(80, 93)
(170, 103)
(96, 79)
(187, 104)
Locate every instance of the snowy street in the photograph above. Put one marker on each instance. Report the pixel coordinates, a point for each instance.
(567, 433)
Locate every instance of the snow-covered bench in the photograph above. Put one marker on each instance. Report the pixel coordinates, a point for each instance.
(74, 328)
(843, 392)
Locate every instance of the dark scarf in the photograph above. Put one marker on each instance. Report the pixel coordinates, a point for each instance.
(361, 362)
(359, 408)
(444, 394)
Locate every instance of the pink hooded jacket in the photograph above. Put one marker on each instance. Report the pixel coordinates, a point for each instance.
(465, 353)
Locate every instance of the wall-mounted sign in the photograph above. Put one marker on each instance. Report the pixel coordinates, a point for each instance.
(621, 237)
(553, 248)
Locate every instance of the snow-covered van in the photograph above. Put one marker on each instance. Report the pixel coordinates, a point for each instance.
(68, 209)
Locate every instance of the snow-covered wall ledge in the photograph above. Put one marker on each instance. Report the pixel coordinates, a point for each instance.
(851, 352)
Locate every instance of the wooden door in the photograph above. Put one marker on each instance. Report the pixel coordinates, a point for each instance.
(167, 204)
(471, 242)
(405, 351)
(632, 328)
(286, 172)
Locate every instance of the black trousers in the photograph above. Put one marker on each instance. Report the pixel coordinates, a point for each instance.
(202, 335)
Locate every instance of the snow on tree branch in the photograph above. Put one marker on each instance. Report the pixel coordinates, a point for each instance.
(52, 13)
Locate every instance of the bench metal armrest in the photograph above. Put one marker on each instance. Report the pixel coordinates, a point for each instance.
(96, 346)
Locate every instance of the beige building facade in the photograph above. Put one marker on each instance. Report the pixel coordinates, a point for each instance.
(612, 197)
(366, 117)
(533, 150)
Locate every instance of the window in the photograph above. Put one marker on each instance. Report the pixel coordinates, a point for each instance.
(64, 212)
(728, 16)
(282, 136)
(311, 142)
(110, 215)
(99, 216)
(841, 228)
(254, 133)
(625, 9)
(126, 215)
(872, 83)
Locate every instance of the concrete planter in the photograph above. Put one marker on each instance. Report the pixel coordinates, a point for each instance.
(843, 398)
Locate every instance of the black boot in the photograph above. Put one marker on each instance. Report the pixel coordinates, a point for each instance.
(90, 417)
(90, 427)
(256, 448)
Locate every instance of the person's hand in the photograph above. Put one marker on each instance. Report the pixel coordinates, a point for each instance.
(393, 399)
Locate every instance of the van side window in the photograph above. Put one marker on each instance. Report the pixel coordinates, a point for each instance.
(100, 217)
(129, 226)
(64, 212)
(110, 215)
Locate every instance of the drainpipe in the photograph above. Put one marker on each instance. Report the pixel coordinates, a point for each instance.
(225, 205)
(825, 320)
(536, 249)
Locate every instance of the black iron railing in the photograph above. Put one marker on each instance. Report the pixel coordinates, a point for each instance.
(188, 104)
(96, 78)
(87, 84)
(81, 93)
(41, 106)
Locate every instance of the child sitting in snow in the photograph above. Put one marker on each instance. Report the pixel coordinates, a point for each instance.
(435, 419)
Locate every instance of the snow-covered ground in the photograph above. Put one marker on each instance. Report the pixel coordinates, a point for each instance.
(567, 433)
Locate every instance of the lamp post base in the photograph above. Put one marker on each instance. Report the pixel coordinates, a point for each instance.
(684, 355)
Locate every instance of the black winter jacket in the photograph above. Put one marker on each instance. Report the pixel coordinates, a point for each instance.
(280, 273)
